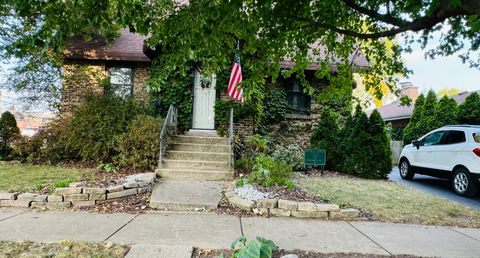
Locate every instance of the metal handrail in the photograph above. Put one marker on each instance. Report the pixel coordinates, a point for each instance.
(231, 157)
(169, 129)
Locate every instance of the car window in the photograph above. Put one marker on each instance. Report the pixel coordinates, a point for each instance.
(453, 137)
(432, 139)
(476, 136)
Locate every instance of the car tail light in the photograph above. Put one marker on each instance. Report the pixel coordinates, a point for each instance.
(477, 151)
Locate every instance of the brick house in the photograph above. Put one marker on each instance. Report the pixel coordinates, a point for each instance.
(127, 63)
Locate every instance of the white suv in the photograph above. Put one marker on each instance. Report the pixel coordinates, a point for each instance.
(450, 152)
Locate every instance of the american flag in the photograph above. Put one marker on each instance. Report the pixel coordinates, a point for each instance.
(235, 77)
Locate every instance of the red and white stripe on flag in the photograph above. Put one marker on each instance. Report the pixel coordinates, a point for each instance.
(235, 77)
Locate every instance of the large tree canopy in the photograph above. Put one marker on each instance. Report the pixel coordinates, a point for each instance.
(207, 32)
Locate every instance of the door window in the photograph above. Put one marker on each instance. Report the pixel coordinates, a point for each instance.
(453, 137)
(433, 139)
(476, 136)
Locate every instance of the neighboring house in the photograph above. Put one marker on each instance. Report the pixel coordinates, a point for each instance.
(399, 116)
(127, 62)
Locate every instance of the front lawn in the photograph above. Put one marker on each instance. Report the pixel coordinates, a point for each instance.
(61, 249)
(32, 178)
(389, 201)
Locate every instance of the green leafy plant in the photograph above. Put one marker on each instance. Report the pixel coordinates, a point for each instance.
(469, 110)
(291, 154)
(268, 172)
(258, 248)
(326, 136)
(63, 183)
(138, 147)
(108, 167)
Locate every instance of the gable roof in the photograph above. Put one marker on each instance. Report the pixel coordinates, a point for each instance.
(127, 47)
(395, 111)
(130, 47)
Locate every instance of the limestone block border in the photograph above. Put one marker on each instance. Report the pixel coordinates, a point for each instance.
(76, 196)
(288, 208)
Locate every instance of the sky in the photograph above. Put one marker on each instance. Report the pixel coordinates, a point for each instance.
(441, 72)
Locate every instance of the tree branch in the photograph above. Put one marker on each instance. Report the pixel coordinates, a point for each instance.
(387, 18)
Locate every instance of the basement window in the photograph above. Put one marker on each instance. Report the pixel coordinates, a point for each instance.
(121, 82)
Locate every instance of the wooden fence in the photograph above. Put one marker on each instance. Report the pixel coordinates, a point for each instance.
(396, 147)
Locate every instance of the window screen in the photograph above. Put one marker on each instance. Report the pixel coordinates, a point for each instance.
(453, 137)
(121, 81)
(298, 102)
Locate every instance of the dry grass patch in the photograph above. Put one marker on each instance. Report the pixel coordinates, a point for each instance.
(61, 249)
(33, 178)
(389, 201)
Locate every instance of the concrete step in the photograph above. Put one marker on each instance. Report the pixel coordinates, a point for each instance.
(200, 139)
(194, 155)
(201, 147)
(186, 195)
(194, 174)
(192, 132)
(196, 164)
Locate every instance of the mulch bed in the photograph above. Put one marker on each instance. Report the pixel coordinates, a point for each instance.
(205, 253)
(131, 204)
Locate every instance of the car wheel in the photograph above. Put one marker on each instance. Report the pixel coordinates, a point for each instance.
(463, 183)
(406, 171)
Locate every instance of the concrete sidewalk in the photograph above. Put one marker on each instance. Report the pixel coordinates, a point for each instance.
(218, 231)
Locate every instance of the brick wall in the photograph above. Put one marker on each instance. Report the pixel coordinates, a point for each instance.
(85, 77)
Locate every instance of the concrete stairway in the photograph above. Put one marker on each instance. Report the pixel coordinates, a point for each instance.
(192, 173)
(201, 156)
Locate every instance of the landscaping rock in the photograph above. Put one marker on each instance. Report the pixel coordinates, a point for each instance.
(80, 204)
(32, 197)
(15, 203)
(307, 206)
(287, 205)
(114, 189)
(94, 190)
(130, 185)
(248, 192)
(38, 204)
(328, 207)
(68, 190)
(97, 197)
(241, 203)
(345, 213)
(122, 193)
(148, 178)
(77, 184)
(75, 197)
(267, 203)
(310, 214)
(8, 196)
(142, 190)
(280, 212)
(263, 210)
(58, 205)
(290, 256)
(55, 198)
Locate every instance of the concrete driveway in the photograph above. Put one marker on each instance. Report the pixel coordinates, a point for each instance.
(436, 186)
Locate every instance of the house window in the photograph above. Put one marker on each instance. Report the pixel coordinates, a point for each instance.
(121, 82)
(298, 102)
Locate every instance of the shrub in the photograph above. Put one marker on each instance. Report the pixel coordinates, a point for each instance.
(469, 111)
(268, 172)
(411, 132)
(380, 155)
(445, 112)
(8, 131)
(291, 154)
(94, 127)
(138, 148)
(255, 144)
(326, 135)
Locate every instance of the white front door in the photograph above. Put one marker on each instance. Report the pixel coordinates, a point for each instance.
(203, 102)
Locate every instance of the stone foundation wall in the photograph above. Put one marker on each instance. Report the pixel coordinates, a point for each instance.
(87, 77)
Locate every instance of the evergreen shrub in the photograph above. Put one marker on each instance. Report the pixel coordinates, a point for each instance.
(8, 131)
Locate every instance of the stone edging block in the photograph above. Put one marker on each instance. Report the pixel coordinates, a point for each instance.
(65, 197)
(287, 208)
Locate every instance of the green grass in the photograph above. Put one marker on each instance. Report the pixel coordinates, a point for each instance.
(61, 249)
(30, 178)
(391, 202)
